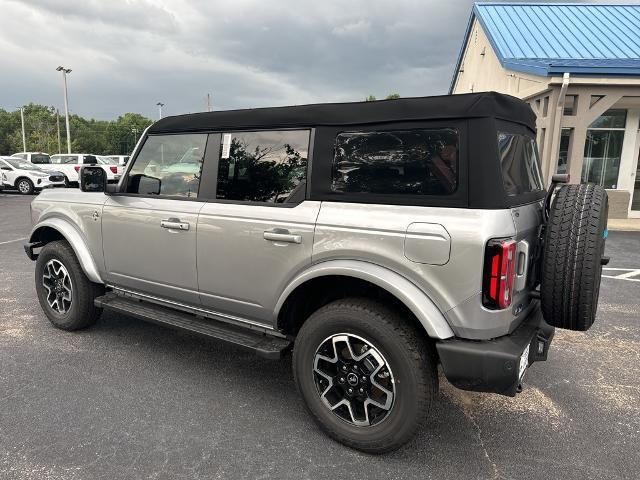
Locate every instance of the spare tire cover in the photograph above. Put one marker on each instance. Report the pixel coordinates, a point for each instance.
(574, 241)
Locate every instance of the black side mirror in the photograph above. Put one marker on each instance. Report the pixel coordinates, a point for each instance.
(93, 179)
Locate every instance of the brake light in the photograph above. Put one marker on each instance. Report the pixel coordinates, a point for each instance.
(114, 169)
(499, 273)
(77, 168)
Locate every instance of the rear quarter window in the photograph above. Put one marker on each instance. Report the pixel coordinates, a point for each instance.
(405, 162)
(520, 164)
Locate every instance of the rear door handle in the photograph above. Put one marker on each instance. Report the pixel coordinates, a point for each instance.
(174, 224)
(281, 235)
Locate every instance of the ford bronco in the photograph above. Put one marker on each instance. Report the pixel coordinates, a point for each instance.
(380, 241)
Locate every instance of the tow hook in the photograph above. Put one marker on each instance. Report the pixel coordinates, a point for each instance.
(519, 388)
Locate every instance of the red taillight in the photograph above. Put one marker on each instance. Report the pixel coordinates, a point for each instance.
(114, 169)
(499, 272)
(77, 168)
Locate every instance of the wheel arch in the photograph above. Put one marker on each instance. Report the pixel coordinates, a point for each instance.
(53, 229)
(22, 177)
(397, 287)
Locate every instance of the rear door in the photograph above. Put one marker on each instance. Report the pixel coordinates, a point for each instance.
(524, 187)
(149, 230)
(257, 232)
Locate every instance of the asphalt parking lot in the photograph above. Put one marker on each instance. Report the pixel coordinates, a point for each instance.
(127, 399)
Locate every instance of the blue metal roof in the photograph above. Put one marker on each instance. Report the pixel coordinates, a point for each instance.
(553, 38)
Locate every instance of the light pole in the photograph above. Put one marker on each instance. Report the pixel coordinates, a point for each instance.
(24, 137)
(160, 105)
(135, 136)
(66, 104)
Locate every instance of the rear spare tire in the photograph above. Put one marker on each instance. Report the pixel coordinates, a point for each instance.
(574, 242)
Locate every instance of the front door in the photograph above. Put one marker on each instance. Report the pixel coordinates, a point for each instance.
(258, 232)
(149, 230)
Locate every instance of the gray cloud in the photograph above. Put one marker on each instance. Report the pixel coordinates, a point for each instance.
(126, 55)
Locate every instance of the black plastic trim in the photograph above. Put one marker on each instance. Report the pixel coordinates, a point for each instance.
(492, 365)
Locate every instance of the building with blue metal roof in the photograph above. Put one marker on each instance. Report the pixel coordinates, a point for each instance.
(578, 66)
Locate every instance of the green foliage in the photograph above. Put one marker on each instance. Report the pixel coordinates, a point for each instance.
(370, 98)
(100, 137)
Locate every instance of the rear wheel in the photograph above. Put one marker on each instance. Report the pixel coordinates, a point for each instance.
(25, 186)
(368, 377)
(65, 293)
(572, 259)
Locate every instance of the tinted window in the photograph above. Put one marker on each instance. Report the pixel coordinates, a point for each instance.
(89, 160)
(168, 165)
(263, 166)
(412, 162)
(520, 164)
(40, 158)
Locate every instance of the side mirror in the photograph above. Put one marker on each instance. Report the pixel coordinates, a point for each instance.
(93, 179)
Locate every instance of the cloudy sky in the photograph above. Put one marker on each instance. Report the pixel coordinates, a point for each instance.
(127, 55)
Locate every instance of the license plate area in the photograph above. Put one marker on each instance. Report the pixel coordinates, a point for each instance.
(524, 362)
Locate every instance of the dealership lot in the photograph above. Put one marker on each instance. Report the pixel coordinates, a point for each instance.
(126, 399)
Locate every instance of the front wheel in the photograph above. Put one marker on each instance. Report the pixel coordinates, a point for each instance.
(367, 375)
(25, 186)
(65, 293)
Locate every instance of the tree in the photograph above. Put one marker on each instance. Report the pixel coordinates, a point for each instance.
(391, 96)
(100, 137)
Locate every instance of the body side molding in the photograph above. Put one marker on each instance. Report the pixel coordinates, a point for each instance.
(427, 313)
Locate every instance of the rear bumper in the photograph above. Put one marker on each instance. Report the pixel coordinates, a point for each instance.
(493, 365)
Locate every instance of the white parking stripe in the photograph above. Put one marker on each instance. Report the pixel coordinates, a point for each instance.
(11, 241)
(628, 273)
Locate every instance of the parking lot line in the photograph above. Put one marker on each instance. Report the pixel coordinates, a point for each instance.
(11, 241)
(628, 273)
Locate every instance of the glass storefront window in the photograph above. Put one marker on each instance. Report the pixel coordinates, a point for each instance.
(565, 140)
(614, 118)
(603, 149)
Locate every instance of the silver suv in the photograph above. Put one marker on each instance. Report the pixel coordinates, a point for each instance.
(377, 240)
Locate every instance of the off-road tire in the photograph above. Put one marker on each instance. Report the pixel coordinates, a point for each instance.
(25, 186)
(408, 351)
(82, 312)
(573, 248)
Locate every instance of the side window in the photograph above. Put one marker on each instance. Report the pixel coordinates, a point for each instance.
(409, 162)
(520, 164)
(20, 155)
(265, 166)
(89, 160)
(168, 165)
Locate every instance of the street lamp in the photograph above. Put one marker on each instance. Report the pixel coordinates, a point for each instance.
(66, 104)
(160, 105)
(134, 130)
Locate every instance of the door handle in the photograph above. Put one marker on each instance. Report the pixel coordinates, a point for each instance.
(174, 224)
(281, 235)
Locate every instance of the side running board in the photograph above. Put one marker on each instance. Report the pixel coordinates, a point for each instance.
(263, 345)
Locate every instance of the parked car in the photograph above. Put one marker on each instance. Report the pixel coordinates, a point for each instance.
(114, 171)
(37, 158)
(377, 239)
(122, 160)
(27, 177)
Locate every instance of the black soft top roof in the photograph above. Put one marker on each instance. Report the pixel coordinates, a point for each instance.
(470, 105)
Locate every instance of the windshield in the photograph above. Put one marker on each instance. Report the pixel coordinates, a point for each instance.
(21, 164)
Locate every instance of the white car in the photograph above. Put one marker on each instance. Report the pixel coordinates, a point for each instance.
(111, 166)
(122, 160)
(27, 177)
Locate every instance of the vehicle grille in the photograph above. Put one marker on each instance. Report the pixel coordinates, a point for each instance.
(56, 178)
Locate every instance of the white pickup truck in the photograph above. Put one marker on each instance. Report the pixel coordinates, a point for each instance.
(70, 164)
